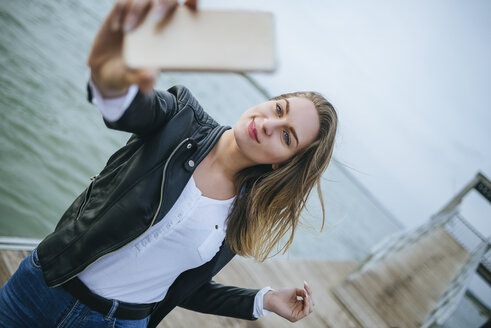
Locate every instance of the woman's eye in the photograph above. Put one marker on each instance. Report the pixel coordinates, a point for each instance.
(279, 111)
(286, 137)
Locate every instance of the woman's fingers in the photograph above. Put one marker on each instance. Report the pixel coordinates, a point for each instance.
(135, 13)
(306, 305)
(192, 4)
(128, 14)
(162, 9)
(309, 301)
(307, 287)
(304, 311)
(117, 15)
(309, 290)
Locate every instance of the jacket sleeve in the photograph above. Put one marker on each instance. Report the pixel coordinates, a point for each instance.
(147, 112)
(215, 298)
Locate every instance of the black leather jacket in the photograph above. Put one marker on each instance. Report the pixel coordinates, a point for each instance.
(137, 187)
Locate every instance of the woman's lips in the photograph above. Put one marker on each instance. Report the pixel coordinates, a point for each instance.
(253, 131)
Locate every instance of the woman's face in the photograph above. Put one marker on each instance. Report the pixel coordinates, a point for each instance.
(272, 132)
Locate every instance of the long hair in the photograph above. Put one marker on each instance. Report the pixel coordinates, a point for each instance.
(269, 202)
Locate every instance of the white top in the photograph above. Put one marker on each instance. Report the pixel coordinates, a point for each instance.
(189, 235)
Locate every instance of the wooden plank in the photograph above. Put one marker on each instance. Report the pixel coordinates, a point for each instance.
(358, 306)
(9, 262)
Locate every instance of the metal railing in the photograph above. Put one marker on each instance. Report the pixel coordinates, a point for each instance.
(14, 243)
(455, 292)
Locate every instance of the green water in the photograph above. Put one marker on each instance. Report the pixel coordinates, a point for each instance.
(52, 140)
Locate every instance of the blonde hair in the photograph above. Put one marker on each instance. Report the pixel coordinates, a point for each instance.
(269, 202)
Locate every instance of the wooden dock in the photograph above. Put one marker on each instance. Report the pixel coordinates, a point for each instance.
(401, 289)
(321, 275)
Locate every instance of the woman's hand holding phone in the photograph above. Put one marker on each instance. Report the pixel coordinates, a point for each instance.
(108, 69)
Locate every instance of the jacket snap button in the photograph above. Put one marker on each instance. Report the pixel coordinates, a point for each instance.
(191, 163)
(189, 146)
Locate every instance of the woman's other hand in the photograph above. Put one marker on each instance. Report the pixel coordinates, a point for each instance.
(108, 69)
(286, 302)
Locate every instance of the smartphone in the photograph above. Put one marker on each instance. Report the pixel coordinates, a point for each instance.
(204, 40)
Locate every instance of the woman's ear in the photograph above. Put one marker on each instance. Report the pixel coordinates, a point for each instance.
(274, 166)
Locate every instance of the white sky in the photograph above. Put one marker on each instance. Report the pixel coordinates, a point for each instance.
(411, 81)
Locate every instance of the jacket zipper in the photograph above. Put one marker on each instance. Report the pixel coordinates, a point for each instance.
(154, 217)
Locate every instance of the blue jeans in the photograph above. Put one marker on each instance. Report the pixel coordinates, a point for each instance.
(26, 301)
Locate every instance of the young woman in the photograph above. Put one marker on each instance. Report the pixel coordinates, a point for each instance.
(174, 205)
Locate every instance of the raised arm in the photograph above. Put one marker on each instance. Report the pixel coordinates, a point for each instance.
(111, 78)
(108, 71)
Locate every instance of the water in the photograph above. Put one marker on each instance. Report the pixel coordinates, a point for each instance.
(52, 140)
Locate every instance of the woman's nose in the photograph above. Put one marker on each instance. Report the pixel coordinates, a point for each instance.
(271, 124)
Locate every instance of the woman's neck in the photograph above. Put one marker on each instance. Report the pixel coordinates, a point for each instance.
(214, 176)
(227, 157)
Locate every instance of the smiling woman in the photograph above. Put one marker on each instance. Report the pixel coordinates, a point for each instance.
(274, 195)
(180, 199)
